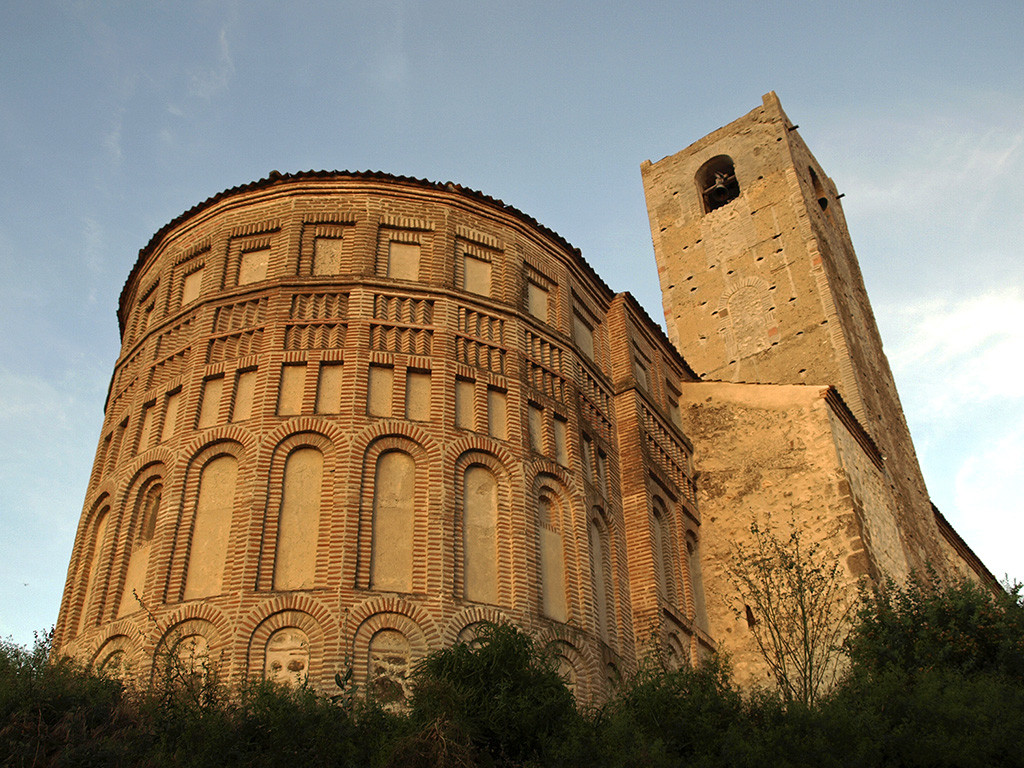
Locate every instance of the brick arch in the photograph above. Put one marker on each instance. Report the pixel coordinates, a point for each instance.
(180, 537)
(104, 497)
(510, 507)
(215, 438)
(418, 641)
(217, 648)
(74, 591)
(301, 425)
(265, 528)
(106, 492)
(663, 518)
(324, 615)
(125, 634)
(511, 465)
(102, 652)
(573, 517)
(364, 440)
(751, 281)
(199, 616)
(110, 642)
(129, 520)
(366, 610)
(676, 649)
(426, 486)
(145, 471)
(606, 571)
(570, 483)
(468, 617)
(753, 330)
(579, 648)
(312, 627)
(90, 563)
(159, 455)
(566, 652)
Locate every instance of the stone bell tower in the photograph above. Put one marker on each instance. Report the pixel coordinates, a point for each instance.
(760, 283)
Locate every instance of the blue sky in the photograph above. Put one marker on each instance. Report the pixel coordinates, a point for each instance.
(115, 117)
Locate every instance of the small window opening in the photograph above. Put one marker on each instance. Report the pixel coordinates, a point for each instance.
(717, 182)
(819, 190)
(751, 621)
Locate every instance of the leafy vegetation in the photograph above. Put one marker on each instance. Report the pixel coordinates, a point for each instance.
(935, 678)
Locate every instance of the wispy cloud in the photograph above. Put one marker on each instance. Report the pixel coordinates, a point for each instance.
(211, 82)
(962, 350)
(112, 138)
(27, 396)
(93, 245)
(948, 173)
(987, 499)
(960, 363)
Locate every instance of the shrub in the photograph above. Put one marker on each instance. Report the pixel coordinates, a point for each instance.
(669, 718)
(499, 700)
(961, 627)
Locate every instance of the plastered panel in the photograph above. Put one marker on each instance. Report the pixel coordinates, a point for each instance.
(211, 529)
(480, 517)
(391, 561)
(299, 523)
(379, 395)
(417, 396)
(293, 380)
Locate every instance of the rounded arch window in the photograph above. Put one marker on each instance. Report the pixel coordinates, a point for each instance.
(716, 181)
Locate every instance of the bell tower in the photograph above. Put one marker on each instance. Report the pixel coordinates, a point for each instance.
(760, 283)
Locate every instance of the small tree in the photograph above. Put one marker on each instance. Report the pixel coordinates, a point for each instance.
(798, 608)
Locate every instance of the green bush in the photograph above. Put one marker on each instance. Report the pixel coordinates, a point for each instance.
(925, 625)
(56, 712)
(670, 718)
(496, 701)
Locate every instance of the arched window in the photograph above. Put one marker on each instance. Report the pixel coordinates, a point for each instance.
(676, 654)
(716, 182)
(601, 575)
(299, 520)
(94, 565)
(115, 665)
(286, 658)
(551, 556)
(479, 537)
(211, 528)
(700, 613)
(392, 536)
(151, 498)
(567, 671)
(147, 507)
(190, 658)
(387, 674)
(664, 562)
